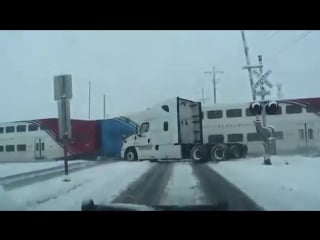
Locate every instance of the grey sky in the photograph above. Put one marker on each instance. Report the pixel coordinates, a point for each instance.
(139, 68)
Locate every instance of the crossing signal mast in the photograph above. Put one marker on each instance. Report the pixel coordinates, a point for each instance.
(279, 91)
(259, 108)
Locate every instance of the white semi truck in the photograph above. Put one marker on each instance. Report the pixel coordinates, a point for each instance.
(173, 130)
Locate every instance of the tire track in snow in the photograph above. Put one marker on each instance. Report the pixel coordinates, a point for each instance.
(183, 188)
(217, 188)
(149, 188)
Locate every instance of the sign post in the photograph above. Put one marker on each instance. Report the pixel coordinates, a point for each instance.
(63, 94)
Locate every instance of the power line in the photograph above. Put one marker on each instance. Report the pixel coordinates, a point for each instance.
(295, 41)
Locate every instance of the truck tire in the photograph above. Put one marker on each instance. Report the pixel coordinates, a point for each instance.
(236, 151)
(244, 151)
(198, 154)
(131, 155)
(218, 152)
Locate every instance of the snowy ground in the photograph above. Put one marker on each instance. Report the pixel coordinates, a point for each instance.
(291, 183)
(183, 187)
(8, 169)
(102, 183)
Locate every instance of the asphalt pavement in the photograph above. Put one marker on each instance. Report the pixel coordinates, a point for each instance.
(150, 187)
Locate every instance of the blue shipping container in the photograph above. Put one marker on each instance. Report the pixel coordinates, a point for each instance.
(112, 131)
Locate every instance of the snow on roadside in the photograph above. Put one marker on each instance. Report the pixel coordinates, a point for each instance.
(183, 187)
(101, 183)
(8, 169)
(7, 203)
(291, 183)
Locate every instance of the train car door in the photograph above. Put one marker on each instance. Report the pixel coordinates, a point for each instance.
(306, 137)
(39, 148)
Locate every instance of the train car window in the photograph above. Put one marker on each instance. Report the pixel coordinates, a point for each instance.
(10, 129)
(165, 108)
(21, 147)
(310, 133)
(165, 126)
(249, 113)
(1, 129)
(278, 135)
(231, 113)
(43, 127)
(42, 146)
(9, 148)
(37, 146)
(278, 112)
(290, 109)
(32, 127)
(252, 137)
(214, 114)
(213, 139)
(236, 137)
(1, 148)
(21, 128)
(313, 109)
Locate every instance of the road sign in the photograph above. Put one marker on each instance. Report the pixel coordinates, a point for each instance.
(62, 87)
(64, 119)
(63, 94)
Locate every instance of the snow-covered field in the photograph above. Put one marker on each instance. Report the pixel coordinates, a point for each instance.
(8, 169)
(183, 187)
(291, 183)
(102, 183)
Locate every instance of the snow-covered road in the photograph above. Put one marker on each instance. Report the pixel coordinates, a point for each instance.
(291, 183)
(183, 187)
(102, 183)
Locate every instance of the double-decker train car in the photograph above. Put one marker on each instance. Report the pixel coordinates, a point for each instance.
(23, 141)
(38, 139)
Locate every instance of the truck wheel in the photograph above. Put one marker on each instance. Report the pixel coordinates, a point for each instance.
(244, 151)
(236, 151)
(198, 154)
(131, 155)
(218, 152)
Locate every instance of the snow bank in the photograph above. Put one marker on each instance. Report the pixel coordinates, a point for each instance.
(6, 201)
(183, 187)
(8, 169)
(101, 183)
(291, 183)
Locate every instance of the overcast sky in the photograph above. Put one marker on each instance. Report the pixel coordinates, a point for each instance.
(139, 68)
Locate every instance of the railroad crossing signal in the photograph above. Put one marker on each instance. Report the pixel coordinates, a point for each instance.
(262, 79)
(263, 92)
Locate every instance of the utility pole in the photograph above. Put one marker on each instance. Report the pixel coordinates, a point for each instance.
(214, 82)
(104, 106)
(202, 95)
(246, 52)
(202, 99)
(89, 98)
